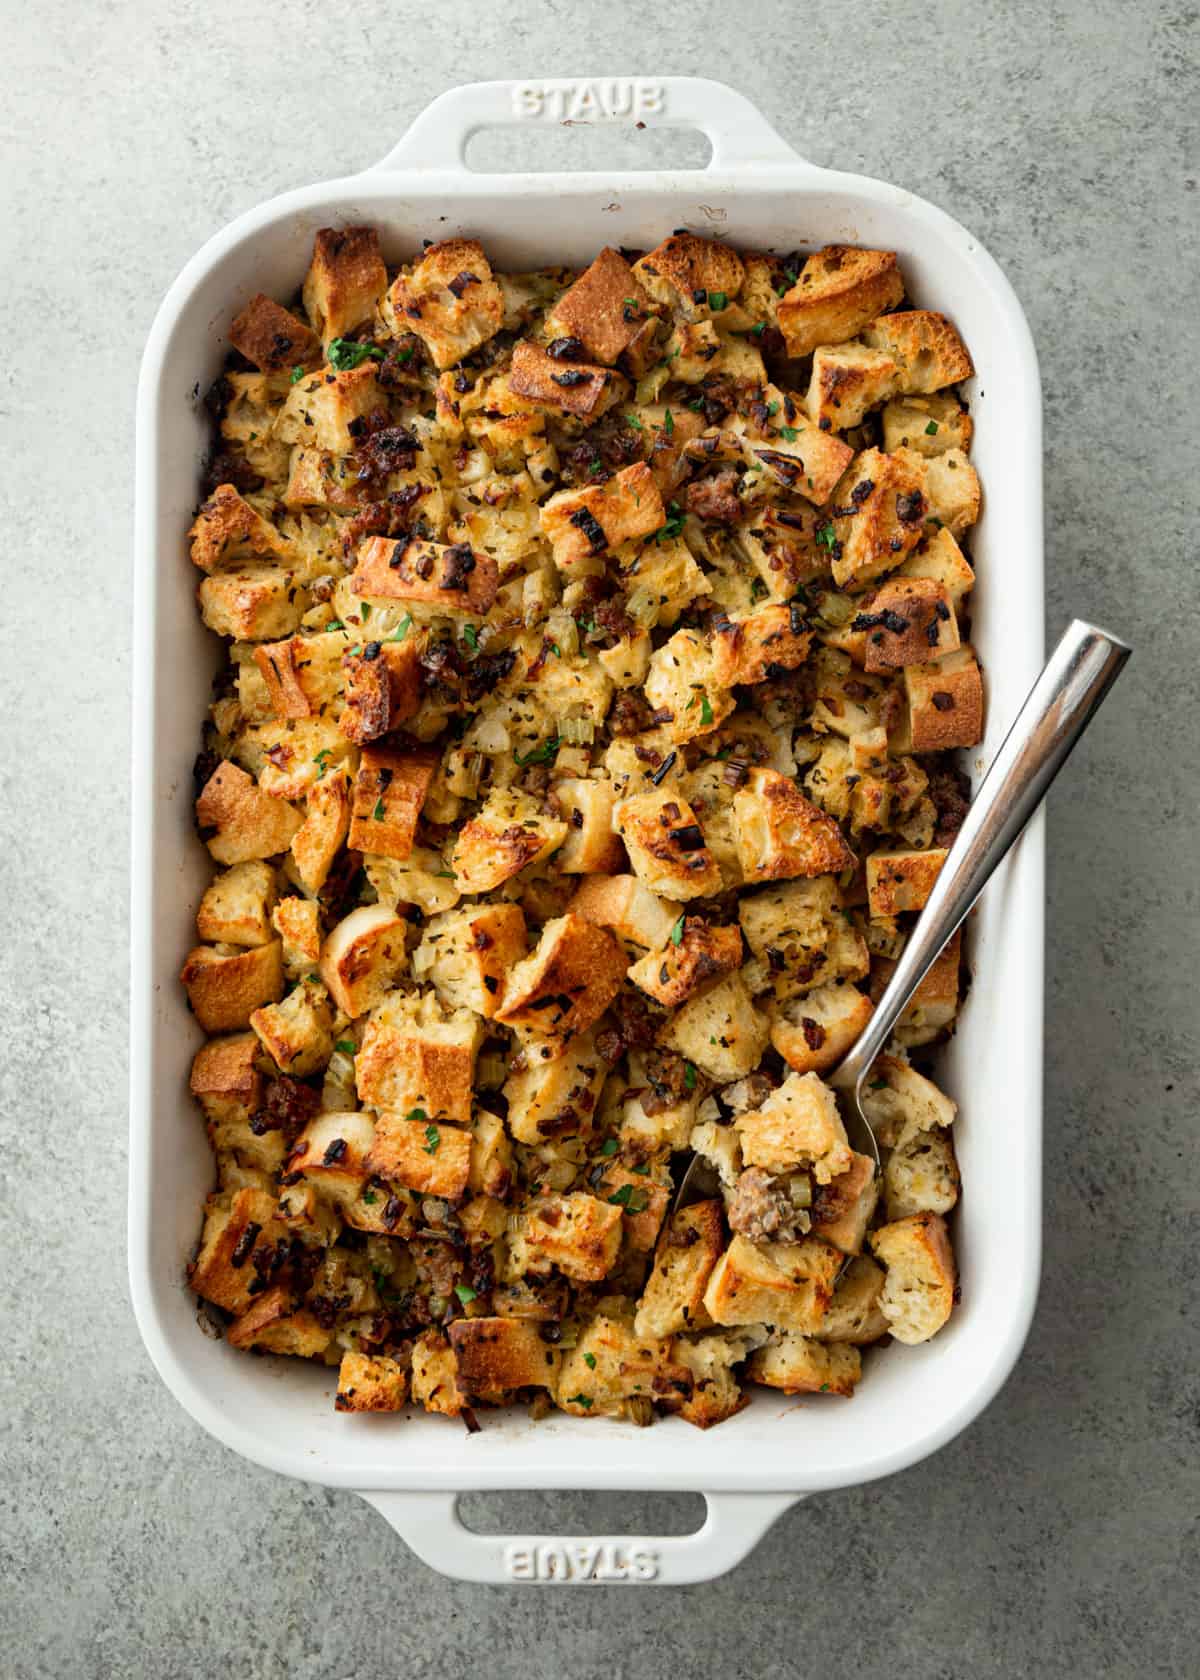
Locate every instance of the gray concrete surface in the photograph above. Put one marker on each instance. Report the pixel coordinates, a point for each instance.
(1059, 1535)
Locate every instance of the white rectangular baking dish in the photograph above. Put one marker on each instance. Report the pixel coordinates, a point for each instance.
(756, 191)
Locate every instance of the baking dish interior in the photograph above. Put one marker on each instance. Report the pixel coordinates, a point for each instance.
(279, 1412)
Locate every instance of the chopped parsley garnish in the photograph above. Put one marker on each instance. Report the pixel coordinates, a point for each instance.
(589, 1359)
(717, 300)
(335, 624)
(471, 637)
(632, 420)
(579, 1400)
(609, 1146)
(772, 409)
(465, 1293)
(673, 525)
(345, 354)
(931, 428)
(378, 812)
(347, 1045)
(402, 629)
(369, 1197)
(789, 434)
(697, 405)
(297, 374)
(758, 330)
(433, 1139)
(404, 355)
(416, 1114)
(543, 753)
(706, 711)
(320, 761)
(365, 612)
(826, 535)
(677, 932)
(669, 423)
(689, 1076)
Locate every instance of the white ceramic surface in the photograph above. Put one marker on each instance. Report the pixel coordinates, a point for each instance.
(756, 191)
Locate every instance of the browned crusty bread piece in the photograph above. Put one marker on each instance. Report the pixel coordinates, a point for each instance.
(840, 289)
(918, 1294)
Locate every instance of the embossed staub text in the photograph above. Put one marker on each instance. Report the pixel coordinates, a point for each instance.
(575, 1562)
(596, 101)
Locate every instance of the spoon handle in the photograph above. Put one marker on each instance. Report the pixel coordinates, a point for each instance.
(1059, 707)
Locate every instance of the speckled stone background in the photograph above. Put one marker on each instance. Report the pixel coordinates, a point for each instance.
(1059, 1536)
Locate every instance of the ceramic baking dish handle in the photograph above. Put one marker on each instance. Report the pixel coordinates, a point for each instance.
(733, 1525)
(740, 135)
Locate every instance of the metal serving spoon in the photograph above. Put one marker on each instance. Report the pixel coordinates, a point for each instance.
(1059, 707)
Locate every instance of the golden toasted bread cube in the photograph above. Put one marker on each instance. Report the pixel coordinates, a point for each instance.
(236, 908)
(370, 1383)
(586, 806)
(611, 1364)
(898, 1099)
(330, 1155)
(224, 1074)
(798, 1126)
(685, 266)
(414, 1054)
(467, 954)
(297, 1033)
(297, 921)
(225, 991)
(272, 337)
(579, 1234)
(253, 603)
(435, 1375)
(345, 280)
(689, 1248)
(782, 546)
(227, 529)
(952, 490)
(625, 663)
(900, 881)
(631, 910)
(491, 1171)
(382, 688)
(317, 478)
(326, 824)
(798, 1364)
(716, 1392)
(223, 1270)
(927, 347)
(701, 954)
(785, 1284)
(578, 389)
(842, 1209)
(921, 1175)
(604, 309)
(289, 757)
(938, 557)
(908, 620)
(666, 845)
(328, 410)
(453, 577)
(918, 1294)
(302, 675)
(839, 291)
(757, 646)
(583, 524)
(797, 453)
(510, 832)
(567, 982)
(642, 1193)
(848, 380)
(450, 300)
(814, 1032)
(422, 879)
(934, 1004)
(945, 702)
(363, 956)
(274, 1323)
(682, 689)
(389, 791)
(662, 579)
(427, 1156)
(928, 425)
(882, 509)
(555, 1098)
(496, 1355)
(720, 1030)
(780, 834)
(854, 1314)
(793, 920)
